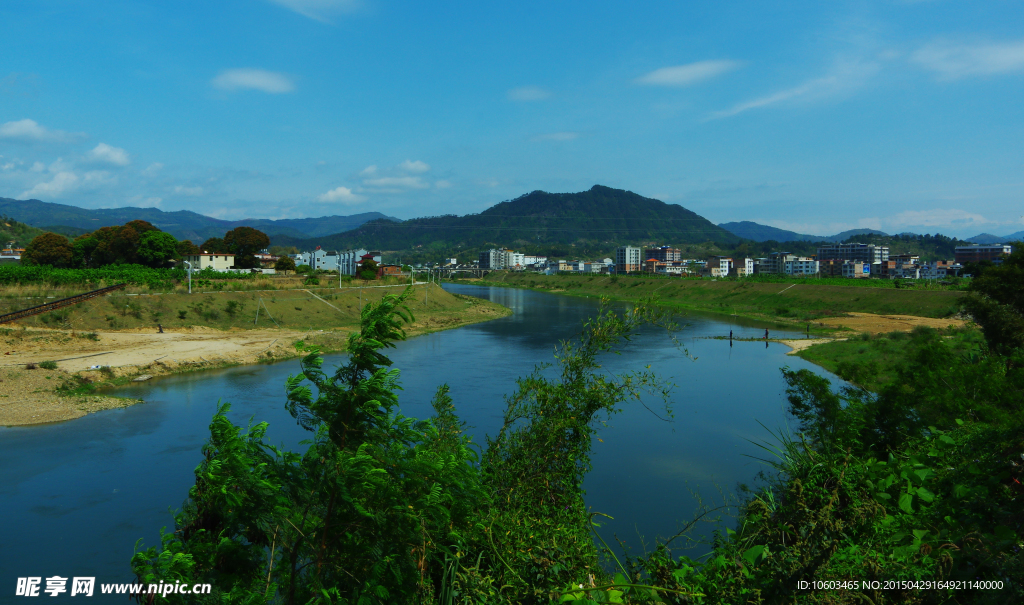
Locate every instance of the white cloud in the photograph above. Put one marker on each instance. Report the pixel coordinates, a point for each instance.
(442, 184)
(369, 170)
(844, 77)
(397, 182)
(38, 167)
(414, 166)
(945, 217)
(153, 169)
(320, 10)
(528, 93)
(188, 190)
(341, 195)
(31, 131)
(107, 154)
(557, 136)
(62, 182)
(952, 61)
(685, 75)
(253, 79)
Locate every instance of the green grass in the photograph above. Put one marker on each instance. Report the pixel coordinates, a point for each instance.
(870, 361)
(797, 301)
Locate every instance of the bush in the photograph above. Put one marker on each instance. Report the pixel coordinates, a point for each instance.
(48, 365)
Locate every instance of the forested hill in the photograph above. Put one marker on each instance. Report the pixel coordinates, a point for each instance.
(182, 224)
(589, 221)
(764, 233)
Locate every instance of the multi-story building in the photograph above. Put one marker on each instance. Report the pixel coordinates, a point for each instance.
(718, 266)
(856, 269)
(492, 259)
(801, 266)
(664, 254)
(627, 259)
(348, 261)
(980, 252)
(776, 262)
(867, 253)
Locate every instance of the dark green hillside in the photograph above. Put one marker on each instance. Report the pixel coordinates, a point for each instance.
(588, 222)
(762, 233)
(182, 224)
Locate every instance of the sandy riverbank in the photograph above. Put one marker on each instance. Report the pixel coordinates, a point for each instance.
(32, 396)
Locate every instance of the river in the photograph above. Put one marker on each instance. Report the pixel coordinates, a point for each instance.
(75, 496)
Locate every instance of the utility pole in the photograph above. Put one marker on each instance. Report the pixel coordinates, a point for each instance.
(189, 265)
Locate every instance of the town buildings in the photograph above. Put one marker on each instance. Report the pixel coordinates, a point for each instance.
(215, 262)
(978, 253)
(867, 253)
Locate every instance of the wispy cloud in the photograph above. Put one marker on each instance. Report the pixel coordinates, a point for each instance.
(685, 75)
(341, 195)
(414, 166)
(320, 10)
(67, 181)
(954, 61)
(30, 131)
(845, 76)
(253, 79)
(557, 136)
(190, 191)
(941, 217)
(395, 183)
(107, 154)
(528, 93)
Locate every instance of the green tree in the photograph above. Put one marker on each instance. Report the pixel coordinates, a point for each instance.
(997, 302)
(244, 243)
(49, 249)
(156, 248)
(285, 263)
(368, 269)
(214, 245)
(186, 248)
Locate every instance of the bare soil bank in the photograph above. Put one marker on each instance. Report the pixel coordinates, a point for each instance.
(111, 357)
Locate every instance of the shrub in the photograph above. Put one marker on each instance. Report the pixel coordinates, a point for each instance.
(48, 365)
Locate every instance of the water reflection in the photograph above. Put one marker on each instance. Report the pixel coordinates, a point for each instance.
(82, 492)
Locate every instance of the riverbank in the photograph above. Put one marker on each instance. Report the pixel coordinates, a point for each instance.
(822, 309)
(89, 364)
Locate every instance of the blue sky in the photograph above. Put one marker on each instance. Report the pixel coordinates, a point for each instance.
(812, 116)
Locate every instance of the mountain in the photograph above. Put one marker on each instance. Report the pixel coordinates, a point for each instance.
(986, 238)
(182, 224)
(558, 223)
(763, 233)
(1014, 237)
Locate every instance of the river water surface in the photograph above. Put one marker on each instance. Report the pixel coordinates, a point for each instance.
(76, 496)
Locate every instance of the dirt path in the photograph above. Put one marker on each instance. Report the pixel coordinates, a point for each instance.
(881, 324)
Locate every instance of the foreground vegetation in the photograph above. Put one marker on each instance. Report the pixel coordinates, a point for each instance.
(910, 495)
(797, 300)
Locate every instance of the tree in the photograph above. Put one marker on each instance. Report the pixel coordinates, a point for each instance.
(285, 263)
(214, 245)
(283, 250)
(997, 303)
(156, 248)
(244, 243)
(49, 249)
(368, 269)
(186, 248)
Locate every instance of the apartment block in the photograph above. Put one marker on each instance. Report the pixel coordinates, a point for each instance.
(977, 253)
(801, 266)
(627, 259)
(866, 253)
(663, 254)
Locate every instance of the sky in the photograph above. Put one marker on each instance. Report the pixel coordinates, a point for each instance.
(818, 117)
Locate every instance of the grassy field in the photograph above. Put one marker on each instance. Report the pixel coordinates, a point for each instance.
(798, 301)
(299, 309)
(871, 361)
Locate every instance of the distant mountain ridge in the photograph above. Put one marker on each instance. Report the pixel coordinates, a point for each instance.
(988, 238)
(592, 219)
(182, 224)
(763, 233)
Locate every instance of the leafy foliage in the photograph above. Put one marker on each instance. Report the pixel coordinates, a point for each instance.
(49, 249)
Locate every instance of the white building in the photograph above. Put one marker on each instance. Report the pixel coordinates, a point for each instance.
(628, 259)
(802, 266)
(216, 262)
